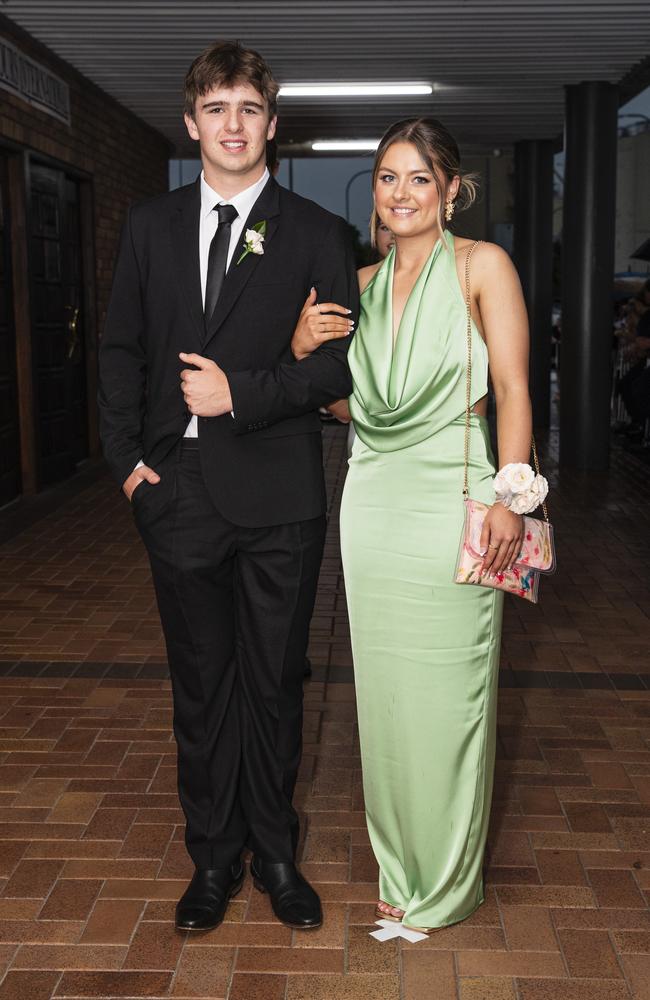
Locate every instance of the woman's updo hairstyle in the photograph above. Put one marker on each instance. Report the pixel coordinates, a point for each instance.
(439, 151)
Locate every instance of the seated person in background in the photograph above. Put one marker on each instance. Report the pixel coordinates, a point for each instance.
(634, 386)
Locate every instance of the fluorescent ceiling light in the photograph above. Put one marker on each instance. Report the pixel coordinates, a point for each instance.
(344, 145)
(354, 89)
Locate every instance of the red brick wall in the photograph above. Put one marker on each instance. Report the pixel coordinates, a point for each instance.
(125, 157)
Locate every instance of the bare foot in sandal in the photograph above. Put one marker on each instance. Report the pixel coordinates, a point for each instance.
(387, 912)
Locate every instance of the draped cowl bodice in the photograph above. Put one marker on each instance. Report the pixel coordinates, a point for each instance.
(405, 393)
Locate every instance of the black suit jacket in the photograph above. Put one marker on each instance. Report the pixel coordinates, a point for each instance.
(263, 467)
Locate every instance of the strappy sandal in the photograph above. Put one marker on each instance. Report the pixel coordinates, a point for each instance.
(421, 930)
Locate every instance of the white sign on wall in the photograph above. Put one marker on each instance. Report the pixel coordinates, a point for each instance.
(33, 82)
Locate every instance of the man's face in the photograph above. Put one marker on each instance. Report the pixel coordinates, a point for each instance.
(232, 125)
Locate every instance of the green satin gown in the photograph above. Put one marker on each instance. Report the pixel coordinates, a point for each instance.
(426, 650)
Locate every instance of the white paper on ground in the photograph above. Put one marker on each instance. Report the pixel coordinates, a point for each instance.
(392, 930)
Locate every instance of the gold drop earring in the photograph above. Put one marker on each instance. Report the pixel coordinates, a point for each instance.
(449, 210)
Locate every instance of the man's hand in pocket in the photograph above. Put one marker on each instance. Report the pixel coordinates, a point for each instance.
(142, 472)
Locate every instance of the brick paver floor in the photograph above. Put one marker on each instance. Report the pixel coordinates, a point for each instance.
(91, 849)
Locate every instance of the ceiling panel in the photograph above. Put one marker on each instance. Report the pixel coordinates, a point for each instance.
(498, 69)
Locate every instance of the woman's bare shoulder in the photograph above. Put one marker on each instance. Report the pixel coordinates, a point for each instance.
(491, 264)
(486, 254)
(365, 274)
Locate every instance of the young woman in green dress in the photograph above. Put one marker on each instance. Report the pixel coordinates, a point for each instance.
(426, 651)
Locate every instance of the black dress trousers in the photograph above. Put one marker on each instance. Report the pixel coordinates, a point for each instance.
(235, 605)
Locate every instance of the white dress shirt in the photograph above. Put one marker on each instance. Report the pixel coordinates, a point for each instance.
(208, 225)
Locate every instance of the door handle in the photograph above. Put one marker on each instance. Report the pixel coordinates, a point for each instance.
(73, 331)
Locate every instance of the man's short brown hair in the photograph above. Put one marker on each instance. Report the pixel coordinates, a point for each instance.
(226, 64)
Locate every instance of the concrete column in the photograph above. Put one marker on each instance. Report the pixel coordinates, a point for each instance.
(587, 274)
(533, 254)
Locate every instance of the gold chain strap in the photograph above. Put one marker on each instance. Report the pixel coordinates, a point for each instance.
(536, 460)
(468, 390)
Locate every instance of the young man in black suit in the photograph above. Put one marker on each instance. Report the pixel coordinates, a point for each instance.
(211, 427)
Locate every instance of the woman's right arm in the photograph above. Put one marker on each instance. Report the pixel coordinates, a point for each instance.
(315, 327)
(318, 322)
(321, 321)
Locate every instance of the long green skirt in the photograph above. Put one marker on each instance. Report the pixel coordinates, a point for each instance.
(426, 656)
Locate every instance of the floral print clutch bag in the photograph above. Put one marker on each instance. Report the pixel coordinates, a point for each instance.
(537, 555)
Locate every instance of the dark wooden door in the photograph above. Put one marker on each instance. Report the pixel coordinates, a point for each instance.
(10, 479)
(57, 323)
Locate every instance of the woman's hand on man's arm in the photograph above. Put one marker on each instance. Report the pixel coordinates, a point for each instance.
(319, 322)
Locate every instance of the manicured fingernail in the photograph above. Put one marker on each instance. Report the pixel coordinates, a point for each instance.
(348, 311)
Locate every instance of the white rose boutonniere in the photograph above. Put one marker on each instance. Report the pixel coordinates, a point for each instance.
(253, 240)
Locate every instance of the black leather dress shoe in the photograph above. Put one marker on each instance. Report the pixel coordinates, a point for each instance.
(293, 900)
(204, 903)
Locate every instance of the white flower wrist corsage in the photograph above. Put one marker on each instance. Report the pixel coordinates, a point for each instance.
(519, 489)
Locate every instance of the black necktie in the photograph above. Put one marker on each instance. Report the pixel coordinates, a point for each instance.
(218, 257)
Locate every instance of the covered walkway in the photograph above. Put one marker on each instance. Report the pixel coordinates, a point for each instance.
(91, 852)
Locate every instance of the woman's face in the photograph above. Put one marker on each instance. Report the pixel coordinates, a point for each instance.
(384, 239)
(406, 193)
